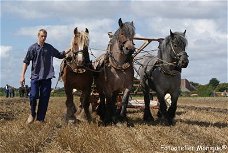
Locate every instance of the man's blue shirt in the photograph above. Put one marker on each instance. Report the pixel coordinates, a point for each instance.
(42, 60)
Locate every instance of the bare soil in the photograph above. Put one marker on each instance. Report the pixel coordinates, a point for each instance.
(201, 126)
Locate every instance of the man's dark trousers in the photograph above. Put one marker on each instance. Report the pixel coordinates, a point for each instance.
(40, 89)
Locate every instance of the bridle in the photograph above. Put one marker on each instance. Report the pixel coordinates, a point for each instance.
(177, 56)
(114, 63)
(72, 62)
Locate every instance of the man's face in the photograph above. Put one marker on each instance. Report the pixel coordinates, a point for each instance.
(42, 37)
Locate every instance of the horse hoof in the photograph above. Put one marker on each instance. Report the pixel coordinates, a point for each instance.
(100, 123)
(148, 118)
(159, 115)
(104, 123)
(122, 118)
(171, 122)
(129, 124)
(71, 121)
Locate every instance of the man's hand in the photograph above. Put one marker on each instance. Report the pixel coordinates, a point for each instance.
(22, 81)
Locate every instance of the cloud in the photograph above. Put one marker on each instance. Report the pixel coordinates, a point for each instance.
(205, 22)
(111, 9)
(179, 9)
(25, 9)
(11, 67)
(4, 51)
(71, 9)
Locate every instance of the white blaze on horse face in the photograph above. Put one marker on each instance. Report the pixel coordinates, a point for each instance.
(80, 57)
(80, 46)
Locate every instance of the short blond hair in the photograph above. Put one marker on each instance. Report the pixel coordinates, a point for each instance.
(42, 30)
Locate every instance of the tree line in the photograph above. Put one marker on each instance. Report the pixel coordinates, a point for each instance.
(214, 86)
(211, 89)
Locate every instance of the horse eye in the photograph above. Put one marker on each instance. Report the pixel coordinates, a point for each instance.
(175, 45)
(125, 42)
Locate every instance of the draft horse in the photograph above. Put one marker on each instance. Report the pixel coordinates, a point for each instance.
(116, 74)
(163, 75)
(76, 75)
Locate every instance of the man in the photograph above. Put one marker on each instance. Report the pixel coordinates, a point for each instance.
(7, 90)
(42, 71)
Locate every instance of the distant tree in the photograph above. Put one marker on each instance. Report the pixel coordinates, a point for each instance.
(213, 83)
(222, 87)
(194, 84)
(2, 91)
(204, 90)
(58, 92)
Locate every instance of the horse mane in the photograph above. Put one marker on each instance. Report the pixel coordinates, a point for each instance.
(128, 29)
(82, 39)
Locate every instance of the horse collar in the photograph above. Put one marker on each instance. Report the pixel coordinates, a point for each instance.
(169, 72)
(116, 65)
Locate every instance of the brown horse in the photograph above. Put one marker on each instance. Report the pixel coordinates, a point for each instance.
(75, 75)
(116, 73)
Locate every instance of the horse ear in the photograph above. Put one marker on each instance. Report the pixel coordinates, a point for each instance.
(132, 23)
(184, 32)
(171, 33)
(75, 30)
(86, 30)
(120, 23)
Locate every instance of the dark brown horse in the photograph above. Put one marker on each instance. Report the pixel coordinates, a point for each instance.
(116, 74)
(75, 75)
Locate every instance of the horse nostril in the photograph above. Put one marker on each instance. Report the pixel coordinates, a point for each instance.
(127, 48)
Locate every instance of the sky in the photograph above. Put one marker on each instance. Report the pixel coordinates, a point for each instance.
(204, 21)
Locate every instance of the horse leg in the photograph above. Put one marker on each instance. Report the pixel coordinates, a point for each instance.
(172, 108)
(162, 112)
(123, 113)
(115, 112)
(71, 109)
(101, 107)
(147, 116)
(109, 109)
(85, 113)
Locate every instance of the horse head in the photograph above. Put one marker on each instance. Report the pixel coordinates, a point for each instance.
(79, 46)
(173, 48)
(122, 44)
(125, 37)
(178, 44)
